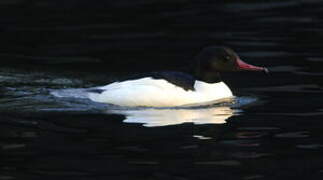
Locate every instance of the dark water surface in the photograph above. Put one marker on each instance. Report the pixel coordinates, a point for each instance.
(273, 129)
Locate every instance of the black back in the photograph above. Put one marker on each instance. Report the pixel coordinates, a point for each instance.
(180, 79)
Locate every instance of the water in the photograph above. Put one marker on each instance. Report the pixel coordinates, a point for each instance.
(271, 130)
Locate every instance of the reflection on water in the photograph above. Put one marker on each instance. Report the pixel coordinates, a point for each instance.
(215, 112)
(164, 117)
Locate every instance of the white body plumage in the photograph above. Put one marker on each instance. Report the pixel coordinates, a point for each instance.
(159, 93)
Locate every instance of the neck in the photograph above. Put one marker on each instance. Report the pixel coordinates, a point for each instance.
(208, 77)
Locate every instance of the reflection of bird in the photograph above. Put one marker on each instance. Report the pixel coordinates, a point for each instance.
(176, 88)
(162, 117)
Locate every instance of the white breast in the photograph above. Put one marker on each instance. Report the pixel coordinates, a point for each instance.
(159, 93)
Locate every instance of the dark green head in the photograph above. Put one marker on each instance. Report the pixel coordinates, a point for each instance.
(215, 59)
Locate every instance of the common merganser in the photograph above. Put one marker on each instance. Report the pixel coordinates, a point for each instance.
(171, 89)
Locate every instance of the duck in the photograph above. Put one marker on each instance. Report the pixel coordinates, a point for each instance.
(173, 89)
